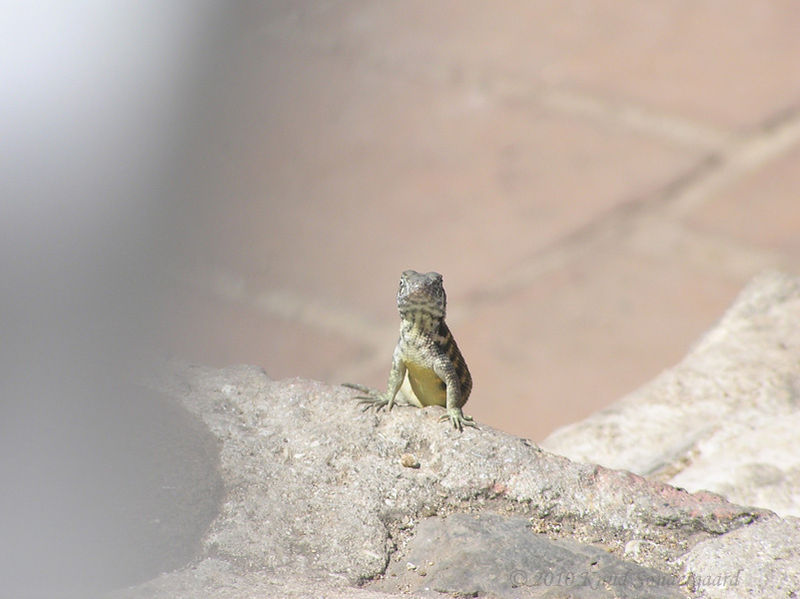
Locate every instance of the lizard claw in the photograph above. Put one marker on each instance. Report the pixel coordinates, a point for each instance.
(372, 399)
(372, 402)
(458, 418)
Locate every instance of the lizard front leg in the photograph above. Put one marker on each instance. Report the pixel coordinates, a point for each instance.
(446, 372)
(377, 400)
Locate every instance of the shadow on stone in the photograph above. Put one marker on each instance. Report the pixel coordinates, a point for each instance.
(102, 493)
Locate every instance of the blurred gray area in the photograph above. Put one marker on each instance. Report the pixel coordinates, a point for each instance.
(102, 481)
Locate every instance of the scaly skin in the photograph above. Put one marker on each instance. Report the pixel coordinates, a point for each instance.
(426, 352)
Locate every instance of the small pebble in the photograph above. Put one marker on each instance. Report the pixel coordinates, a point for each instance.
(409, 461)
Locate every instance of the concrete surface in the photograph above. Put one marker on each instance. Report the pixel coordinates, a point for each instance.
(595, 180)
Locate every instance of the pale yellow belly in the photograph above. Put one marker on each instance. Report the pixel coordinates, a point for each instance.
(429, 388)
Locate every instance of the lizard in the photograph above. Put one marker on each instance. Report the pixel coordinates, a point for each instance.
(426, 352)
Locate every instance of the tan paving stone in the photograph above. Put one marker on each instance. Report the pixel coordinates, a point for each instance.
(216, 332)
(762, 209)
(716, 62)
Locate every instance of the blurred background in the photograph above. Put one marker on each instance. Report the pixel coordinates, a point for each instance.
(244, 183)
(595, 180)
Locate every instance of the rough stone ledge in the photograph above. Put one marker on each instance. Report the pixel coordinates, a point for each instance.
(316, 493)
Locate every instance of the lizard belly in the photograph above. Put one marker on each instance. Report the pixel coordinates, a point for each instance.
(427, 386)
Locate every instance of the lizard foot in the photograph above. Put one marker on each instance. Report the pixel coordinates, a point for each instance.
(372, 399)
(458, 418)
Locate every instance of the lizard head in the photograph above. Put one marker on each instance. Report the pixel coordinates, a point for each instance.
(420, 292)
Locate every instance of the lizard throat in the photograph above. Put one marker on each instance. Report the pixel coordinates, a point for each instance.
(422, 322)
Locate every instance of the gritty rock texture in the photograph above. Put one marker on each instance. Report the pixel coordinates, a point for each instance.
(762, 560)
(320, 498)
(725, 419)
(488, 553)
